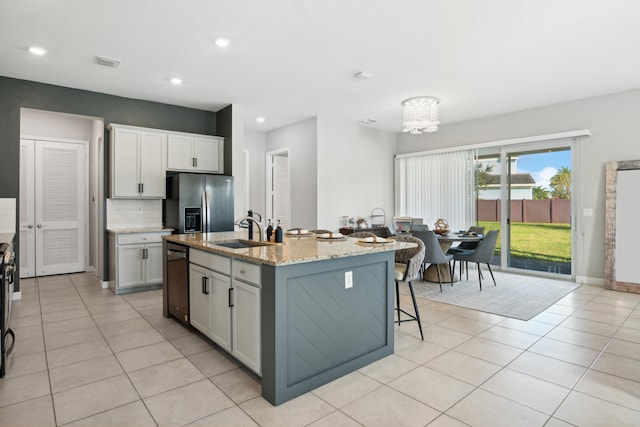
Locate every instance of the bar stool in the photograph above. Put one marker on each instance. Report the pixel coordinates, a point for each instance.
(408, 264)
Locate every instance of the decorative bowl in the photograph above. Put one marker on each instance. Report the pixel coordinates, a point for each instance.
(441, 227)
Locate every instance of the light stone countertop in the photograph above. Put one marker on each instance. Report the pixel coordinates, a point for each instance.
(294, 250)
(130, 230)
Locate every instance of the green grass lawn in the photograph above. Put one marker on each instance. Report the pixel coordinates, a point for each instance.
(548, 242)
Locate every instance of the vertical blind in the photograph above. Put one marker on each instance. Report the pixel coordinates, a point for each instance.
(433, 186)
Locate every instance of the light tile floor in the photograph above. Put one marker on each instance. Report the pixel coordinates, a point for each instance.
(86, 357)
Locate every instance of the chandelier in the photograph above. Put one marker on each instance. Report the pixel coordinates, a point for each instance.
(420, 114)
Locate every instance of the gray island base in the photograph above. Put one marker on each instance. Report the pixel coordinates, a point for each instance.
(314, 330)
(326, 308)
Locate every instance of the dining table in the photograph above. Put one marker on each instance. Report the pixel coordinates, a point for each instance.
(446, 241)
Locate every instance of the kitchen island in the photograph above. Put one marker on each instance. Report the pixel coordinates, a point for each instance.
(325, 307)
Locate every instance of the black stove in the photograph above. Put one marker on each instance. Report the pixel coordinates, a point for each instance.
(7, 268)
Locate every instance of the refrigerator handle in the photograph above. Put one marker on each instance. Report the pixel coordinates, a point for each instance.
(207, 211)
(205, 224)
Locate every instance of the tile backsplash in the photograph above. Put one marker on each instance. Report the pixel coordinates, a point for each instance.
(124, 213)
(8, 215)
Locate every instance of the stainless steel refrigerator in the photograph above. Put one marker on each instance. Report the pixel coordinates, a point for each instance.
(198, 203)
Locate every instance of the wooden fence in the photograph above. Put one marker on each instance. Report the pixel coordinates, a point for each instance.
(553, 211)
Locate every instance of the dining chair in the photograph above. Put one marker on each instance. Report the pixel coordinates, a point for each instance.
(418, 227)
(407, 269)
(482, 254)
(467, 245)
(433, 253)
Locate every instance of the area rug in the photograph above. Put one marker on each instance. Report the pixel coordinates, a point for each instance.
(517, 296)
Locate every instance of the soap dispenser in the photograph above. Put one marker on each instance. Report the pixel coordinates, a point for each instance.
(279, 233)
(269, 231)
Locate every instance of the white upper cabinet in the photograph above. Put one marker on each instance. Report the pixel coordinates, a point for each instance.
(138, 162)
(195, 153)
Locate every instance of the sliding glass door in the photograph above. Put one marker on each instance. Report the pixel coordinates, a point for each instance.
(525, 191)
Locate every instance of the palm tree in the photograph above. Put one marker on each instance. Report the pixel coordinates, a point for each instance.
(540, 193)
(482, 174)
(561, 183)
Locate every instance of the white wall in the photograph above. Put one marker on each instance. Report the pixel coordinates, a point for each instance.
(612, 120)
(7, 216)
(256, 142)
(355, 172)
(55, 125)
(97, 132)
(237, 130)
(301, 139)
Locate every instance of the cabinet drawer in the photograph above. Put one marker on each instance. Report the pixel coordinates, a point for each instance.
(246, 271)
(211, 261)
(129, 238)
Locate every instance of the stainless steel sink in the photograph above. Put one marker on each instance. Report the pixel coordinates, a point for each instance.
(240, 244)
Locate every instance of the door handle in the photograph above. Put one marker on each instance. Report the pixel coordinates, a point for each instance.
(230, 290)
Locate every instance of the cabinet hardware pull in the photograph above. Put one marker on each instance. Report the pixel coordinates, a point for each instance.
(142, 188)
(203, 285)
(138, 187)
(206, 285)
(230, 290)
(193, 162)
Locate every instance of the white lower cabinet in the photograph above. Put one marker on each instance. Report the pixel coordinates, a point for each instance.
(219, 307)
(224, 304)
(199, 298)
(135, 261)
(246, 325)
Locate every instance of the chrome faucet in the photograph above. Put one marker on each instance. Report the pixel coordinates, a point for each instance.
(250, 220)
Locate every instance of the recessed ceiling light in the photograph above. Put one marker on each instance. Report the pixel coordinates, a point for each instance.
(176, 81)
(260, 119)
(367, 121)
(222, 42)
(36, 50)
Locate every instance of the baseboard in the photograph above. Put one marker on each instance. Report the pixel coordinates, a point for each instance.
(104, 284)
(17, 296)
(585, 280)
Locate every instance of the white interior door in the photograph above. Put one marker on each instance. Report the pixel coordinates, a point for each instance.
(60, 207)
(281, 202)
(27, 209)
(54, 203)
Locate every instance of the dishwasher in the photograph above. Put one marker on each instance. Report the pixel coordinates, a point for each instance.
(178, 281)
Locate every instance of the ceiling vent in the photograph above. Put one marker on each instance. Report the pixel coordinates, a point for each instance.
(362, 75)
(107, 62)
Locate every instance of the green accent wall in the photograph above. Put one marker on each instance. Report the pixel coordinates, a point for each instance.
(16, 94)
